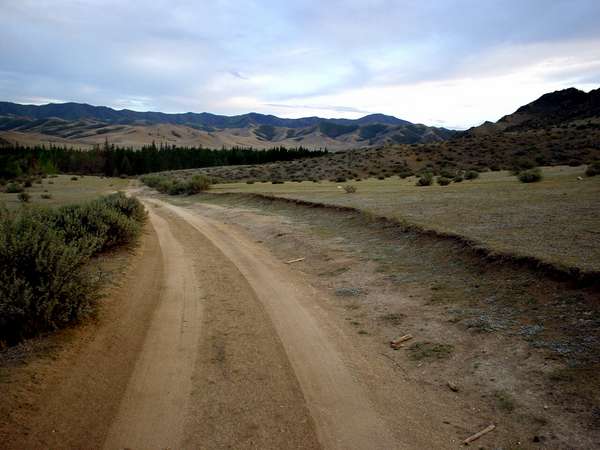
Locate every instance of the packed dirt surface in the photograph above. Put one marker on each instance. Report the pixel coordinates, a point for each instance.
(212, 342)
(214, 339)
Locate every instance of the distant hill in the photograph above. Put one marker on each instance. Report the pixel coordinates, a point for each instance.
(86, 125)
(560, 108)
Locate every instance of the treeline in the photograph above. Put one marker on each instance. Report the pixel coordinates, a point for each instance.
(110, 160)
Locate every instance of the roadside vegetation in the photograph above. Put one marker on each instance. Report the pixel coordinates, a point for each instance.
(45, 279)
(172, 186)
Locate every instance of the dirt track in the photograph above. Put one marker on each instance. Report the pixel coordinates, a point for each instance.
(224, 346)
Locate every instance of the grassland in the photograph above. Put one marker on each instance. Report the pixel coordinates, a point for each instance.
(556, 220)
(64, 190)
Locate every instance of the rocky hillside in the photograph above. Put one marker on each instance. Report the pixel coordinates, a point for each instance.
(85, 125)
(569, 107)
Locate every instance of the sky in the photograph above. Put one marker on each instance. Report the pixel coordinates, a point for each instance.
(453, 63)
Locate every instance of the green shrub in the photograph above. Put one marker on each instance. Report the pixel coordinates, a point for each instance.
(349, 189)
(46, 196)
(443, 181)
(522, 164)
(14, 188)
(425, 179)
(113, 220)
(24, 197)
(27, 183)
(170, 186)
(458, 178)
(530, 176)
(593, 169)
(45, 282)
(471, 175)
(197, 184)
(74, 178)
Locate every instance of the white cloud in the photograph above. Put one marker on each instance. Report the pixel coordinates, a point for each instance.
(453, 63)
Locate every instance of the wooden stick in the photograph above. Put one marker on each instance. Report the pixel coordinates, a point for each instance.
(294, 260)
(476, 436)
(396, 343)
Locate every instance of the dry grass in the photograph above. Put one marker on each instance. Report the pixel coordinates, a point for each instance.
(63, 190)
(556, 220)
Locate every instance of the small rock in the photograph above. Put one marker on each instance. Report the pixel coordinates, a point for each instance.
(453, 387)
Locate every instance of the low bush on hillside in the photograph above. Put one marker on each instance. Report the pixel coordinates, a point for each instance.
(593, 169)
(530, 176)
(14, 188)
(471, 175)
(443, 181)
(425, 179)
(349, 189)
(45, 282)
(166, 185)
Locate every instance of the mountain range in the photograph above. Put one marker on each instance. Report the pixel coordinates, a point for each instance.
(84, 125)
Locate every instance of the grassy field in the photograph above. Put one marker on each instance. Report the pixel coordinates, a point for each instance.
(556, 220)
(63, 190)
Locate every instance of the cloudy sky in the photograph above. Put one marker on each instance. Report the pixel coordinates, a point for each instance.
(452, 63)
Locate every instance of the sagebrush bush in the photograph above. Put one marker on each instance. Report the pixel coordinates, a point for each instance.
(425, 179)
(530, 176)
(593, 169)
(44, 280)
(166, 185)
(443, 181)
(349, 189)
(471, 175)
(113, 220)
(14, 188)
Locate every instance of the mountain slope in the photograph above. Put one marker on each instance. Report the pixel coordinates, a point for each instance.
(558, 108)
(86, 125)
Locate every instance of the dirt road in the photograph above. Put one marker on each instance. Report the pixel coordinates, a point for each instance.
(224, 346)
